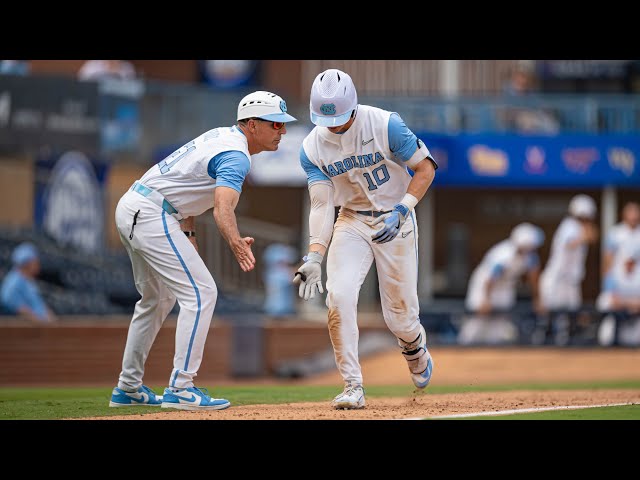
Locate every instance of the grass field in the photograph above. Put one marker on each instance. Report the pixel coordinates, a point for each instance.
(59, 403)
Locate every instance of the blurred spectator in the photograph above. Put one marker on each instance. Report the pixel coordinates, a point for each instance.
(19, 293)
(628, 228)
(621, 296)
(561, 279)
(280, 293)
(101, 69)
(14, 67)
(492, 287)
(523, 119)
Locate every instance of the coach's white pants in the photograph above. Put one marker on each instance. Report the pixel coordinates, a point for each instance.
(166, 268)
(349, 259)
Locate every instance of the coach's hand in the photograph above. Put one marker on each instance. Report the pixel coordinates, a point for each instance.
(392, 224)
(309, 276)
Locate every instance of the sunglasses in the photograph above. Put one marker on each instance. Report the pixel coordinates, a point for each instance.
(275, 125)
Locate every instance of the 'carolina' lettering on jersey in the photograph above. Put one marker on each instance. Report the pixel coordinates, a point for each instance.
(359, 161)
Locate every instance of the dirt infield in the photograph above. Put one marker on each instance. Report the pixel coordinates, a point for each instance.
(473, 367)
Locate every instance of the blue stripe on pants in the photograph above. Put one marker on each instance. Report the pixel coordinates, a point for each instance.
(184, 266)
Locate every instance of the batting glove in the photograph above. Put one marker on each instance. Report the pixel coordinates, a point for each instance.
(392, 224)
(309, 276)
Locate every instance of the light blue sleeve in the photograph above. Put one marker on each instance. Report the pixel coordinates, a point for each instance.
(609, 284)
(17, 293)
(402, 141)
(496, 270)
(533, 261)
(229, 169)
(314, 174)
(610, 244)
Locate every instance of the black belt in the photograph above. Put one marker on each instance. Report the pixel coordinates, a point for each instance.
(372, 213)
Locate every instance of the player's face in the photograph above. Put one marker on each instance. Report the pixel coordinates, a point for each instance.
(268, 133)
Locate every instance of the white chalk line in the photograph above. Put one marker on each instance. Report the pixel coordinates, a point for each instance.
(521, 410)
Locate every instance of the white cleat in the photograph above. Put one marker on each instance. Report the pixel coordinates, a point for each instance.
(351, 398)
(418, 359)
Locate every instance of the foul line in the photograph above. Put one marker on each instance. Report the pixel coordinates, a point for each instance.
(521, 410)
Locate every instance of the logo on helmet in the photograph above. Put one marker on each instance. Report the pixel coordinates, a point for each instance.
(283, 106)
(328, 108)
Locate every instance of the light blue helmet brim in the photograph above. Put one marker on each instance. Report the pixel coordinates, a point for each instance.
(333, 121)
(279, 117)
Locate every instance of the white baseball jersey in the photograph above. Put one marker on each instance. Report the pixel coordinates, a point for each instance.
(561, 279)
(620, 234)
(503, 264)
(366, 173)
(185, 178)
(166, 266)
(367, 166)
(620, 281)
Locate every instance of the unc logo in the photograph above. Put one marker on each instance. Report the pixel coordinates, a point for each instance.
(283, 106)
(328, 108)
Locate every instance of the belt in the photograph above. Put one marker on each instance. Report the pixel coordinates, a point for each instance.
(157, 198)
(372, 213)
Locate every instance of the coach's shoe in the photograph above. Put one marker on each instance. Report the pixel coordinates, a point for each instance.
(351, 398)
(144, 396)
(419, 359)
(192, 398)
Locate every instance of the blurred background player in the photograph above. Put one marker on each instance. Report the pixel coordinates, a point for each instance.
(620, 233)
(493, 284)
(19, 293)
(561, 279)
(358, 157)
(156, 222)
(280, 294)
(621, 297)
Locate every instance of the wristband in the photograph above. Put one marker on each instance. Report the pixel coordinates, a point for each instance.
(190, 234)
(313, 257)
(409, 200)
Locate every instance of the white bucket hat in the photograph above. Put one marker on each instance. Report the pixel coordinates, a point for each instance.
(583, 206)
(333, 98)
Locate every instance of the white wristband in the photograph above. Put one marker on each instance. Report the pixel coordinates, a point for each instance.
(409, 200)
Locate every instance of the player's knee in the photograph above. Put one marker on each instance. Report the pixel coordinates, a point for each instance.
(209, 295)
(342, 299)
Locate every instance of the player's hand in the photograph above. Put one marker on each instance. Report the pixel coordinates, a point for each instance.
(194, 242)
(244, 255)
(392, 224)
(309, 276)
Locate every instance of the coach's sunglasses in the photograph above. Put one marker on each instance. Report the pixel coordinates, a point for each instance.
(275, 125)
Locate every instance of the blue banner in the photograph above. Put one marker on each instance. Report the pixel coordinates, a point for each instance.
(535, 161)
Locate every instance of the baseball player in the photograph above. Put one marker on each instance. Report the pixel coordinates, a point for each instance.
(492, 286)
(561, 278)
(628, 228)
(621, 295)
(368, 162)
(156, 222)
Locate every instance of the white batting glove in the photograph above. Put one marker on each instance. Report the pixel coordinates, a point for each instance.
(392, 224)
(309, 276)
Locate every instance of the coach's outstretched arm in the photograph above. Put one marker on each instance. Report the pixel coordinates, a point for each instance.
(225, 202)
(424, 173)
(321, 218)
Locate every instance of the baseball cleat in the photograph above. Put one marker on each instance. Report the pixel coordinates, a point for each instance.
(192, 398)
(418, 359)
(351, 398)
(144, 396)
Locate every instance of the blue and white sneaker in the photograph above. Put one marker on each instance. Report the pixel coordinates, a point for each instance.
(192, 398)
(418, 359)
(144, 396)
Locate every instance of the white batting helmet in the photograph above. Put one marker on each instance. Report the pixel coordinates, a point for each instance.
(264, 105)
(583, 206)
(333, 98)
(527, 236)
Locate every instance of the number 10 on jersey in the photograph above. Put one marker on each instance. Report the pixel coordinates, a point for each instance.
(380, 175)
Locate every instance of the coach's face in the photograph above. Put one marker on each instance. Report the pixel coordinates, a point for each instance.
(268, 134)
